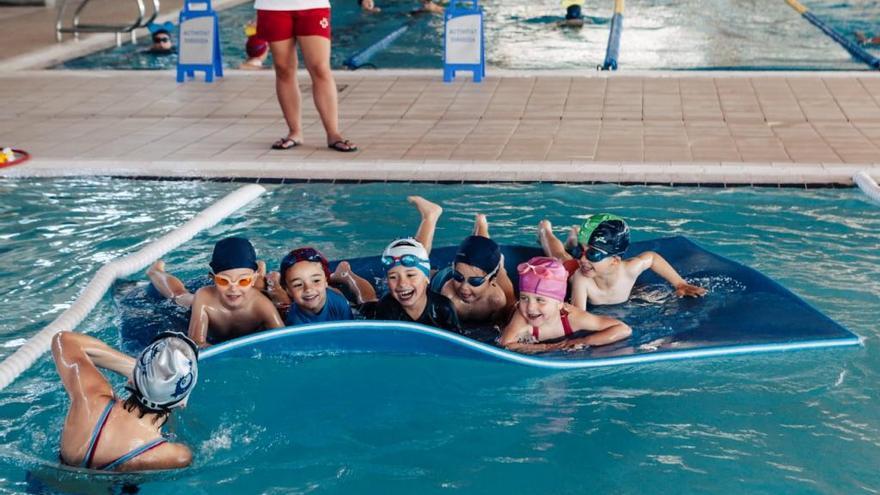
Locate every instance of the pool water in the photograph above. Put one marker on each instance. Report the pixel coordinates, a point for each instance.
(522, 34)
(802, 422)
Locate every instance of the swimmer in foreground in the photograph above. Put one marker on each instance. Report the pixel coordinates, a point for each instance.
(542, 321)
(599, 274)
(573, 15)
(301, 288)
(104, 433)
(477, 283)
(230, 308)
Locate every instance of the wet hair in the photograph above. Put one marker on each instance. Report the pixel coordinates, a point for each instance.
(132, 403)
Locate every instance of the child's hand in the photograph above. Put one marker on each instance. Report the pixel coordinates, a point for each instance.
(273, 279)
(688, 290)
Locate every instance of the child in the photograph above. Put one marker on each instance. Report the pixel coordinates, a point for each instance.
(303, 279)
(231, 307)
(477, 283)
(541, 316)
(573, 14)
(599, 274)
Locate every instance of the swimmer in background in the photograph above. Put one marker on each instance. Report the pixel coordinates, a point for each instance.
(573, 15)
(257, 51)
(476, 282)
(865, 40)
(301, 288)
(108, 434)
(428, 7)
(230, 308)
(543, 322)
(161, 37)
(599, 275)
(369, 6)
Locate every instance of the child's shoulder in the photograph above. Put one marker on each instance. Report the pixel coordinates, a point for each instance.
(639, 262)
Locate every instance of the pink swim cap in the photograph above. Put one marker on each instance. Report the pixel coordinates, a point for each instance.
(255, 47)
(544, 277)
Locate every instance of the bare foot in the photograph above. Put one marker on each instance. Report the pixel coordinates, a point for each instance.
(545, 228)
(427, 209)
(481, 225)
(342, 271)
(157, 267)
(572, 240)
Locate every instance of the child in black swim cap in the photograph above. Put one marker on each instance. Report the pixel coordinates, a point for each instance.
(599, 274)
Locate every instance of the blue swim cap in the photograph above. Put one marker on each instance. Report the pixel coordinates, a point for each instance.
(573, 12)
(232, 253)
(480, 252)
(605, 231)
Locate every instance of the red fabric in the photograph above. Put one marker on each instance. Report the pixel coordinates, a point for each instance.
(279, 25)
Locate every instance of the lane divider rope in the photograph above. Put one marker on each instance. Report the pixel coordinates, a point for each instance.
(868, 185)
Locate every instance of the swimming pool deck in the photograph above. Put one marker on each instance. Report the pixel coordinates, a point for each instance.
(657, 127)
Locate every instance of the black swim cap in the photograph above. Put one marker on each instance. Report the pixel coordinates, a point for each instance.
(606, 232)
(480, 252)
(232, 253)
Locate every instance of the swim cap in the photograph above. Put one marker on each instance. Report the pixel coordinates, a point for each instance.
(166, 371)
(544, 277)
(407, 252)
(480, 252)
(606, 232)
(256, 47)
(232, 253)
(573, 12)
(303, 254)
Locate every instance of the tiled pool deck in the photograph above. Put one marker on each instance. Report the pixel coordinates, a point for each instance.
(732, 128)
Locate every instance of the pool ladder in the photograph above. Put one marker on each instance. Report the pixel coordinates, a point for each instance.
(76, 27)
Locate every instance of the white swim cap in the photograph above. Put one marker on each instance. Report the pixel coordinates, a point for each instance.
(166, 371)
(407, 252)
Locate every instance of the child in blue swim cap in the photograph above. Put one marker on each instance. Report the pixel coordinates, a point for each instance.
(233, 306)
(599, 273)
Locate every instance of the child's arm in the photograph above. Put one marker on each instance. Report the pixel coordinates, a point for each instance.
(662, 267)
(276, 292)
(606, 330)
(506, 287)
(78, 357)
(513, 333)
(579, 295)
(199, 321)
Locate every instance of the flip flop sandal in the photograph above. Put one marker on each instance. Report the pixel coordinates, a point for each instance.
(343, 146)
(285, 143)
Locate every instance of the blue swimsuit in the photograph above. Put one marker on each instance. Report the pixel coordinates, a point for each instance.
(96, 435)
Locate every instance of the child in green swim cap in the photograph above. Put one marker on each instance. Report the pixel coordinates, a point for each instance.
(599, 273)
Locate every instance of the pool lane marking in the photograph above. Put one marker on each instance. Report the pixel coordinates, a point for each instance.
(612, 51)
(93, 293)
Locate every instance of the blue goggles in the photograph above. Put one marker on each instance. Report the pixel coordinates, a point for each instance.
(473, 281)
(407, 260)
(592, 253)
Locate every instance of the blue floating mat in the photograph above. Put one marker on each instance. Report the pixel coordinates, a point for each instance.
(744, 312)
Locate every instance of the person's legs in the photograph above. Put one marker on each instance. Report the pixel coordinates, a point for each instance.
(553, 247)
(287, 89)
(430, 213)
(168, 285)
(481, 226)
(316, 54)
(358, 286)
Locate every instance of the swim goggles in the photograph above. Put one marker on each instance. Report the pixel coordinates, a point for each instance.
(223, 281)
(544, 270)
(592, 253)
(303, 254)
(474, 281)
(407, 260)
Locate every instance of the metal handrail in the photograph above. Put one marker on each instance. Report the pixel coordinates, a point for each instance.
(118, 29)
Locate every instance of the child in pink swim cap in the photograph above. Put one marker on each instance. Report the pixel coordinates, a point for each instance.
(543, 322)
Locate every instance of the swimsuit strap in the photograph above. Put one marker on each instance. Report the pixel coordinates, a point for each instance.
(535, 333)
(134, 453)
(566, 325)
(99, 427)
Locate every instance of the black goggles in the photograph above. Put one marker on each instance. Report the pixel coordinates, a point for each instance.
(592, 253)
(474, 281)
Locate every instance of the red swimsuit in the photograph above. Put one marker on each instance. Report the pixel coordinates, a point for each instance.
(566, 326)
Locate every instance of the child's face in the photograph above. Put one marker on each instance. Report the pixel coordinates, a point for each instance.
(407, 285)
(234, 285)
(538, 309)
(307, 285)
(467, 292)
(591, 269)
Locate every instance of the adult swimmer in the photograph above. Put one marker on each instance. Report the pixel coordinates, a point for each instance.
(101, 432)
(573, 15)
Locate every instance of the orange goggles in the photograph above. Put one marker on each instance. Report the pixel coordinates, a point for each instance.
(222, 281)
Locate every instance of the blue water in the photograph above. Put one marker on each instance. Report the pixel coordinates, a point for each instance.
(803, 422)
(522, 34)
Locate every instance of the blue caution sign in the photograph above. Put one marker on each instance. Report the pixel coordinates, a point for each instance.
(463, 45)
(198, 41)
